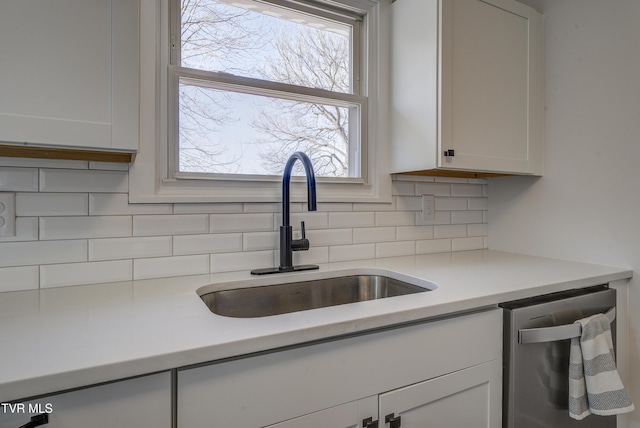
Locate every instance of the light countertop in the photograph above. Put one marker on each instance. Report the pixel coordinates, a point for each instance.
(63, 338)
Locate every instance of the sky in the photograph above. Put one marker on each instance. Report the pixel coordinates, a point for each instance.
(237, 134)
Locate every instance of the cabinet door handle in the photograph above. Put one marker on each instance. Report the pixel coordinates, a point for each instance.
(36, 421)
(393, 420)
(369, 423)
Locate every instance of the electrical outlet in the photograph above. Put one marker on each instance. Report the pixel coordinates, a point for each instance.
(7, 214)
(428, 208)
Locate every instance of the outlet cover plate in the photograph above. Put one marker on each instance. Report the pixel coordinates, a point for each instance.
(7, 214)
(428, 214)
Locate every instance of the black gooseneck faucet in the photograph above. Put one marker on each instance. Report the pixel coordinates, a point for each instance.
(287, 244)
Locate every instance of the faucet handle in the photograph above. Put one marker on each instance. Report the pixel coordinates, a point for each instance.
(300, 244)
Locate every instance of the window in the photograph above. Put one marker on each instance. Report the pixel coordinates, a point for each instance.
(242, 84)
(258, 81)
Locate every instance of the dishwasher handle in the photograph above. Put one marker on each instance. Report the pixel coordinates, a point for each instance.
(551, 334)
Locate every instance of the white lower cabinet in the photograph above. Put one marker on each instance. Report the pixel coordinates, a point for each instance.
(469, 398)
(348, 415)
(143, 402)
(446, 371)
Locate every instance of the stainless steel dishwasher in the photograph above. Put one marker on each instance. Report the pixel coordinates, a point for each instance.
(537, 335)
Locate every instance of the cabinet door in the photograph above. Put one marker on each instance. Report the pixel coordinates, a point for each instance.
(469, 398)
(491, 82)
(69, 73)
(143, 402)
(348, 415)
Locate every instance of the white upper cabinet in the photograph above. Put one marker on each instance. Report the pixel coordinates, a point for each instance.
(69, 73)
(467, 87)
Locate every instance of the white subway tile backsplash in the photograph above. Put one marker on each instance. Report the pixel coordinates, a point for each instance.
(109, 166)
(312, 220)
(478, 204)
(222, 208)
(466, 217)
(26, 230)
(367, 235)
(406, 233)
(396, 218)
(464, 244)
(326, 237)
(75, 225)
(403, 188)
(441, 217)
(43, 163)
(228, 262)
(130, 248)
(437, 189)
(64, 180)
(314, 256)
(223, 223)
(433, 246)
(85, 273)
(160, 225)
(351, 219)
(395, 249)
(451, 204)
(118, 204)
(271, 207)
(84, 227)
(256, 241)
(161, 267)
(52, 204)
(478, 180)
(18, 180)
(470, 190)
(450, 231)
(343, 253)
(42, 252)
(478, 229)
(207, 244)
(19, 278)
(408, 203)
(335, 206)
(387, 206)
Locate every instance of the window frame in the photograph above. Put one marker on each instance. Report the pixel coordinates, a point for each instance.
(153, 176)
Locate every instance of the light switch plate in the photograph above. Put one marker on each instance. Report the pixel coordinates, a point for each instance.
(7, 214)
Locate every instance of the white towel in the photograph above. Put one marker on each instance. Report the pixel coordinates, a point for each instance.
(594, 383)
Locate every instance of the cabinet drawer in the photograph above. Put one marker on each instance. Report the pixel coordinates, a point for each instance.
(272, 387)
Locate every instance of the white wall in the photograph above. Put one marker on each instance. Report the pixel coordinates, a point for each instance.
(587, 205)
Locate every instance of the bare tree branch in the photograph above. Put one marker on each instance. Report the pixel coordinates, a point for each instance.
(210, 34)
(311, 58)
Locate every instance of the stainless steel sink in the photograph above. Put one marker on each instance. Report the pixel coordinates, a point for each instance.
(300, 296)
